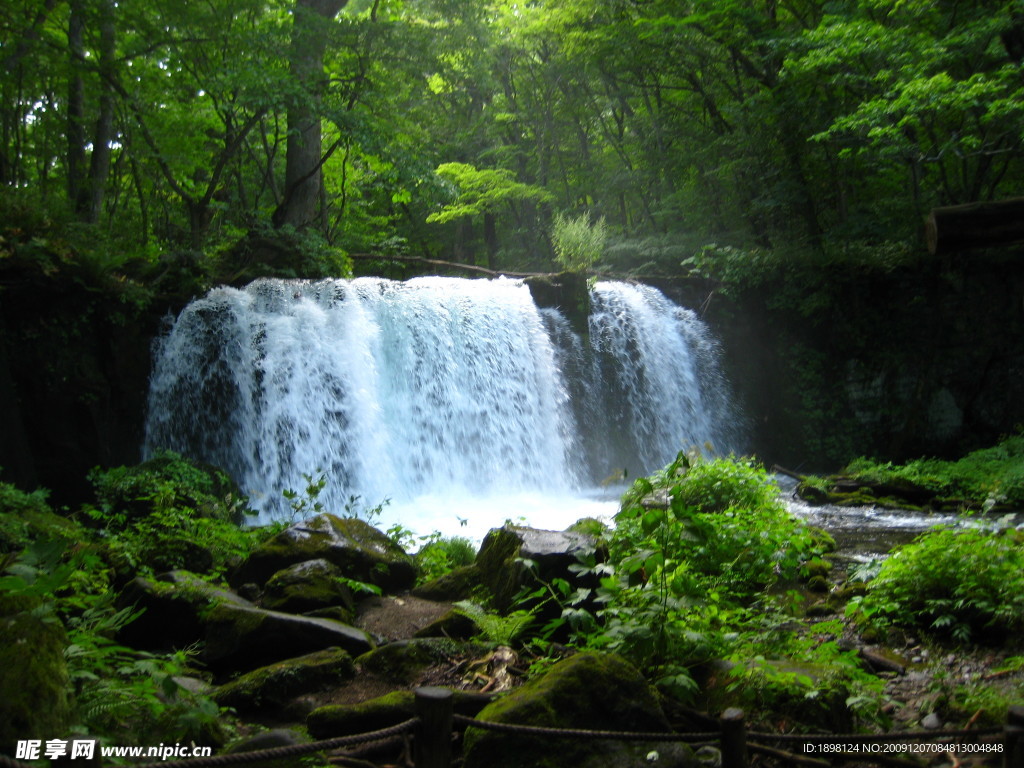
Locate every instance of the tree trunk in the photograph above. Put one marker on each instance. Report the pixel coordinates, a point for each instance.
(76, 103)
(302, 194)
(99, 163)
(975, 225)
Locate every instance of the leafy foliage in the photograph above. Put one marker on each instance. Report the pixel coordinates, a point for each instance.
(694, 549)
(982, 479)
(578, 242)
(124, 695)
(964, 584)
(500, 630)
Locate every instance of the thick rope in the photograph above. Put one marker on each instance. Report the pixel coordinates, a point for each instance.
(537, 730)
(273, 753)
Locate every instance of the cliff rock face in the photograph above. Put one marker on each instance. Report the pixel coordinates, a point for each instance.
(74, 374)
(923, 361)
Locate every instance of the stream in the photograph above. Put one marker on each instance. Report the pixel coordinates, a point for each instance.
(871, 532)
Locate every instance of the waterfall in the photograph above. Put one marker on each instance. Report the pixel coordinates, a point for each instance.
(430, 388)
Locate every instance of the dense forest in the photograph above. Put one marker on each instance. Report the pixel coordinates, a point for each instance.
(695, 131)
(768, 162)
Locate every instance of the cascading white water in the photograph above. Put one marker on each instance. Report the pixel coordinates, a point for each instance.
(431, 390)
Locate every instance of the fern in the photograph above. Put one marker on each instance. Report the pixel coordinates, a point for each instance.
(501, 630)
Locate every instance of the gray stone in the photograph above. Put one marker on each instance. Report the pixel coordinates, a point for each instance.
(274, 685)
(358, 549)
(241, 638)
(307, 586)
(588, 690)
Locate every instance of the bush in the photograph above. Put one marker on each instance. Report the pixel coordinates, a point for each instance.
(982, 479)
(25, 517)
(578, 242)
(965, 584)
(167, 480)
(694, 548)
(725, 520)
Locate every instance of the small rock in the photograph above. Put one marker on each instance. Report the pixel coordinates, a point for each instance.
(932, 722)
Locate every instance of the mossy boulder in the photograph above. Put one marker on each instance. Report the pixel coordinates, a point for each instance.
(173, 609)
(505, 553)
(452, 624)
(335, 720)
(402, 661)
(35, 694)
(273, 739)
(240, 637)
(589, 690)
(307, 586)
(346, 719)
(358, 549)
(274, 685)
(457, 584)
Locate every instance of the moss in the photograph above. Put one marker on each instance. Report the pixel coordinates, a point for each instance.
(403, 660)
(361, 552)
(342, 720)
(588, 690)
(307, 586)
(275, 684)
(35, 699)
(457, 584)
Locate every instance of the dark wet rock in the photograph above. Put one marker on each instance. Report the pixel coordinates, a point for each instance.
(274, 685)
(452, 624)
(510, 554)
(243, 638)
(307, 586)
(588, 690)
(457, 584)
(361, 552)
(172, 608)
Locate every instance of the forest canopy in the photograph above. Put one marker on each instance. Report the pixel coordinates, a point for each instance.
(460, 130)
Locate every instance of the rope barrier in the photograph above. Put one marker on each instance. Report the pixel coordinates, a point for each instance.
(752, 738)
(537, 730)
(272, 753)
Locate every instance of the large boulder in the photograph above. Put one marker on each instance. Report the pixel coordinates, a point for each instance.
(510, 557)
(307, 586)
(240, 637)
(589, 690)
(335, 720)
(172, 607)
(361, 552)
(272, 686)
(35, 695)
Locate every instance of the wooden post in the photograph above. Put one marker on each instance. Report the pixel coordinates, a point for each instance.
(1013, 738)
(433, 745)
(734, 738)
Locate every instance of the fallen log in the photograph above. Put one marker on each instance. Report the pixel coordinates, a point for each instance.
(975, 225)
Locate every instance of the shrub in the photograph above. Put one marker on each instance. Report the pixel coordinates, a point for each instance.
(166, 480)
(966, 584)
(578, 242)
(982, 479)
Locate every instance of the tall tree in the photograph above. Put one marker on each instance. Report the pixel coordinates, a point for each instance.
(303, 203)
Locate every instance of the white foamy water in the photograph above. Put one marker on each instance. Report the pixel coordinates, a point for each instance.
(455, 399)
